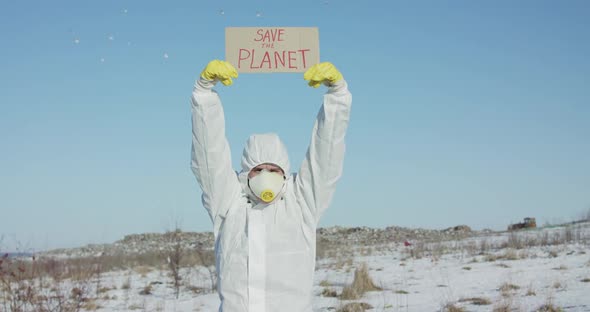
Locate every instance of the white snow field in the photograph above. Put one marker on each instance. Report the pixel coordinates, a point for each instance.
(546, 269)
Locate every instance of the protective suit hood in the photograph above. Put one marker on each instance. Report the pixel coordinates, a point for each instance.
(261, 149)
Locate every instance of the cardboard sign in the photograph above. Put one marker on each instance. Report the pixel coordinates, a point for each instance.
(272, 49)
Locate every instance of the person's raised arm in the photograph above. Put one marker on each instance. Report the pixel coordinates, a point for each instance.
(211, 157)
(322, 166)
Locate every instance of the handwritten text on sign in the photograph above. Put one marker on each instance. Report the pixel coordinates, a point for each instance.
(272, 49)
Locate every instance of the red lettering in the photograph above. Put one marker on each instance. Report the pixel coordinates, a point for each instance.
(278, 59)
(252, 60)
(281, 33)
(259, 33)
(274, 34)
(265, 59)
(269, 35)
(303, 56)
(291, 58)
(240, 58)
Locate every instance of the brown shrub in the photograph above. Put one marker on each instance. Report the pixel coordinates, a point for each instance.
(515, 241)
(327, 292)
(362, 283)
(477, 301)
(355, 307)
(503, 306)
(549, 307)
(147, 290)
(24, 288)
(506, 289)
(449, 307)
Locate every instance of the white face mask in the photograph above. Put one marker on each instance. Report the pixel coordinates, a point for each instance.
(266, 185)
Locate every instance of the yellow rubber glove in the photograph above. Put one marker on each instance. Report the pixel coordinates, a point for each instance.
(220, 70)
(322, 73)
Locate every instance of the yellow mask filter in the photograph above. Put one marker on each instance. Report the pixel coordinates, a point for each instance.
(267, 196)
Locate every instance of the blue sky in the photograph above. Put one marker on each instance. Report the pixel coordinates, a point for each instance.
(464, 112)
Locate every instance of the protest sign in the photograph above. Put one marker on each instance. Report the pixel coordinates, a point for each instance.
(272, 49)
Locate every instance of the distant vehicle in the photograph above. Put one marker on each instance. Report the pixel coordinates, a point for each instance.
(528, 223)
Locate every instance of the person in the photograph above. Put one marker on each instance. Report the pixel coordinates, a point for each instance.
(264, 218)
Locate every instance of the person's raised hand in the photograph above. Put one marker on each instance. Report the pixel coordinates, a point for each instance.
(222, 71)
(322, 73)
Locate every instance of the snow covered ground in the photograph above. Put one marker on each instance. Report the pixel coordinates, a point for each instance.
(492, 272)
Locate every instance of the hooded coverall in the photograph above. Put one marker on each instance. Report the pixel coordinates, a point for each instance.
(265, 253)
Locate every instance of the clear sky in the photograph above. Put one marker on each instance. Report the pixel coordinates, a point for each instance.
(464, 112)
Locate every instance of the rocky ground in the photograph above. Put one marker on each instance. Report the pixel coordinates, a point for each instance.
(335, 236)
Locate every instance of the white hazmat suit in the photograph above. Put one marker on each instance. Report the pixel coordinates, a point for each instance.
(265, 253)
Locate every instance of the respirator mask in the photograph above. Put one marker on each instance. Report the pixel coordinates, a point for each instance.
(266, 185)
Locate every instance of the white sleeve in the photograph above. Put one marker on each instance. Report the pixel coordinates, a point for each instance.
(322, 167)
(211, 156)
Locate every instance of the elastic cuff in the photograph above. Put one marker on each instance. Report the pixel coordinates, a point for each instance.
(338, 87)
(203, 84)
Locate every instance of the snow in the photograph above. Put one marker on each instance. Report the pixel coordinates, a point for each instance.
(443, 273)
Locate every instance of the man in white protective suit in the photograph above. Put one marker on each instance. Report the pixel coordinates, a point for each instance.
(264, 218)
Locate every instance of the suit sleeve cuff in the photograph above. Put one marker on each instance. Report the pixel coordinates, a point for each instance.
(204, 85)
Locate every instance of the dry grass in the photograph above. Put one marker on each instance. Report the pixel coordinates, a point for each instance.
(84, 268)
(484, 246)
(569, 234)
(450, 307)
(549, 307)
(126, 284)
(23, 287)
(503, 306)
(103, 290)
(327, 292)
(147, 290)
(355, 307)
(366, 251)
(136, 307)
(508, 289)
(515, 241)
(91, 306)
(196, 290)
(73, 282)
(477, 301)
(509, 254)
(70, 284)
(343, 262)
(362, 283)
(143, 270)
(530, 291)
